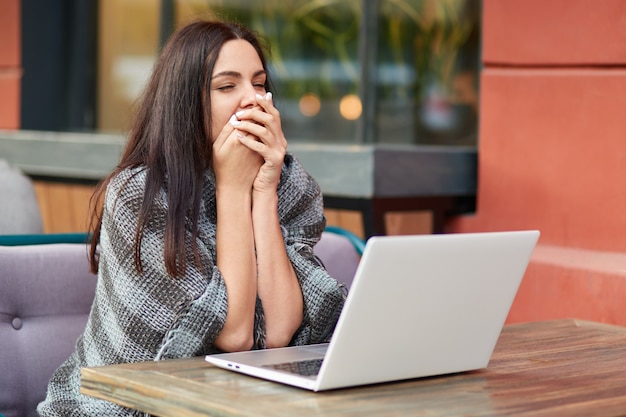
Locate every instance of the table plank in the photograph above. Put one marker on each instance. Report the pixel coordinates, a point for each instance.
(563, 367)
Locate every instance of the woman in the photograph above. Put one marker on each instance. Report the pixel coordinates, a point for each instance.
(203, 241)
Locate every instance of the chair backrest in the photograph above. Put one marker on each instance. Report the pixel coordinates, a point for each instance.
(46, 293)
(19, 209)
(339, 254)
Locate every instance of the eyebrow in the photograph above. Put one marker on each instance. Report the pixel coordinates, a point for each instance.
(236, 74)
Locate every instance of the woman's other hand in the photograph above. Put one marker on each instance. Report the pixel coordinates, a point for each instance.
(264, 137)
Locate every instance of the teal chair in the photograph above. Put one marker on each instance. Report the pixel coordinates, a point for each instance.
(44, 239)
(47, 238)
(357, 242)
(340, 251)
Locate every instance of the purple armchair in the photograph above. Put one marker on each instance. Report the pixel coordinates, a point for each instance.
(46, 291)
(45, 296)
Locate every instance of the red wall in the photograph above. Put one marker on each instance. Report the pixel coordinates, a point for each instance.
(10, 64)
(552, 151)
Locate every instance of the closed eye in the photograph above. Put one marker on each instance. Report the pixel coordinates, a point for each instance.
(259, 80)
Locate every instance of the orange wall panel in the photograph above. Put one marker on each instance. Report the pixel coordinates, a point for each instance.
(10, 34)
(554, 32)
(552, 151)
(553, 156)
(10, 71)
(10, 99)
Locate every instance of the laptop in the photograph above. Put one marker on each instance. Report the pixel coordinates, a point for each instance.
(419, 306)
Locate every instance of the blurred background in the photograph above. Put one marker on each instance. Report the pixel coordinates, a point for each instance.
(347, 71)
(415, 116)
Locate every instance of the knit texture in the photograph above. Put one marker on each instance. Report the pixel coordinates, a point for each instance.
(151, 316)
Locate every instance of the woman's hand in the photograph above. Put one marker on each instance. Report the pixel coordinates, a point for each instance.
(236, 168)
(277, 284)
(235, 165)
(251, 250)
(264, 137)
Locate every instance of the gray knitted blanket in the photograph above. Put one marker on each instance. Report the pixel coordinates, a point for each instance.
(150, 316)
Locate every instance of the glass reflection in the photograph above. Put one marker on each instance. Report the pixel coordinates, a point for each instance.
(427, 66)
(422, 86)
(314, 59)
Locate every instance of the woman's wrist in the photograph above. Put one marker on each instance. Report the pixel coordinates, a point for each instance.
(265, 199)
(264, 211)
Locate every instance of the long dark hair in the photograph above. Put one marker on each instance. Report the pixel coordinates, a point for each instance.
(170, 136)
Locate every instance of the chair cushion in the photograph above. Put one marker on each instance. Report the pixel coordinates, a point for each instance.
(47, 291)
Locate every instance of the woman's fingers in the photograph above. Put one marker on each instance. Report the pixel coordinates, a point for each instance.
(262, 118)
(259, 129)
(227, 130)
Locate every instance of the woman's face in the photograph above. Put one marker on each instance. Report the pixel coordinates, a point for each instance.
(238, 76)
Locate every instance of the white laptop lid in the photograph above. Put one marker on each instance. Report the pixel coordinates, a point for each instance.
(418, 306)
(426, 305)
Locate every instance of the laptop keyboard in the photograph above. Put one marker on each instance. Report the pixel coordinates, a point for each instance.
(309, 367)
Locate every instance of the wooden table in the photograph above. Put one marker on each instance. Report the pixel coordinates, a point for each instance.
(562, 367)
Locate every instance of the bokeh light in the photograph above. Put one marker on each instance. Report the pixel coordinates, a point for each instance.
(350, 107)
(310, 105)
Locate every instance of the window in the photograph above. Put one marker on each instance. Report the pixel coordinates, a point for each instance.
(347, 71)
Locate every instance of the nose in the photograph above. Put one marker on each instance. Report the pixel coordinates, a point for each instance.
(248, 98)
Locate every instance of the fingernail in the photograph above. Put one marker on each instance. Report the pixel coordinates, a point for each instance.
(268, 96)
(260, 97)
(233, 120)
(239, 113)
